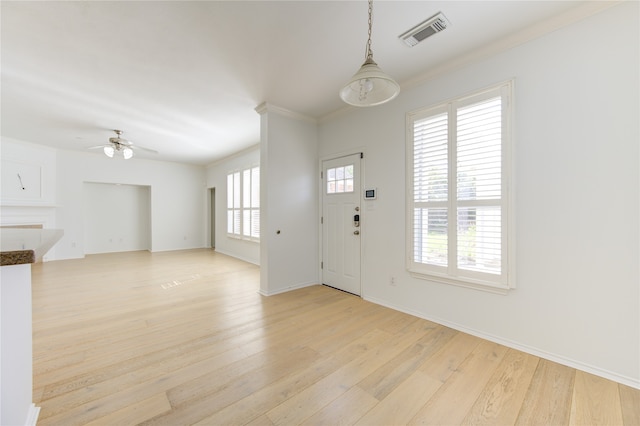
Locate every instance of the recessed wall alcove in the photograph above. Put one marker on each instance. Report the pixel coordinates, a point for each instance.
(117, 217)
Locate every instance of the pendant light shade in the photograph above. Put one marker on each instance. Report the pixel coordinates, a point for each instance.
(370, 86)
(109, 151)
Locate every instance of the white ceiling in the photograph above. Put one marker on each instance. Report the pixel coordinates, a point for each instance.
(184, 77)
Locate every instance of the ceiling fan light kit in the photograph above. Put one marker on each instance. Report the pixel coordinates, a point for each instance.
(118, 144)
(370, 86)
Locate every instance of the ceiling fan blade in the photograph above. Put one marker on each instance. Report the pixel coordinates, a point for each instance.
(135, 147)
(97, 147)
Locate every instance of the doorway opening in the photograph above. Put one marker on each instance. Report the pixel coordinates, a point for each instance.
(212, 217)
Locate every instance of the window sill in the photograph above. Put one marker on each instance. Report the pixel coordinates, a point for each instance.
(486, 286)
(239, 238)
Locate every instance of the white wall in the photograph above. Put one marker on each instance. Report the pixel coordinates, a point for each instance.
(178, 196)
(576, 166)
(217, 178)
(117, 218)
(289, 201)
(35, 204)
(36, 166)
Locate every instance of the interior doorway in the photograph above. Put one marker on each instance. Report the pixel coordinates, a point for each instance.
(212, 215)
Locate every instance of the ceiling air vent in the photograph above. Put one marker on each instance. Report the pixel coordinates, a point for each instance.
(426, 29)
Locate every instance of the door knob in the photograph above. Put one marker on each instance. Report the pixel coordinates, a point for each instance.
(356, 232)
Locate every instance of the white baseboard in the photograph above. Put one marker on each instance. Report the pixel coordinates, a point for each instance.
(287, 289)
(32, 416)
(235, 255)
(634, 383)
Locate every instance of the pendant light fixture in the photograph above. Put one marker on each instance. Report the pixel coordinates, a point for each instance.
(369, 86)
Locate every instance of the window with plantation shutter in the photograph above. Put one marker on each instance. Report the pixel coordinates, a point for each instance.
(243, 204)
(458, 181)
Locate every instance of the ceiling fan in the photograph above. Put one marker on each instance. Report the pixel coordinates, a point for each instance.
(118, 144)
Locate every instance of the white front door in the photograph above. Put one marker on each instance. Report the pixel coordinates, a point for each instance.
(341, 217)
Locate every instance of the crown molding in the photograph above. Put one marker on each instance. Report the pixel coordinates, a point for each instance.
(267, 107)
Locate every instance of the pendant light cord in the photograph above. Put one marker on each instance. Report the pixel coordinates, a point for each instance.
(368, 52)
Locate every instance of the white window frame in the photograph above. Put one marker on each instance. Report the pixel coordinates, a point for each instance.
(242, 201)
(340, 182)
(451, 273)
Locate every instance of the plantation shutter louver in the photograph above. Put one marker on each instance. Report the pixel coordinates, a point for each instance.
(479, 186)
(431, 189)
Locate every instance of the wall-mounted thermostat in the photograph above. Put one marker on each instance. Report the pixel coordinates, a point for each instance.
(370, 194)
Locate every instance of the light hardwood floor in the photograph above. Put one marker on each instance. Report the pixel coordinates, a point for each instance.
(184, 338)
